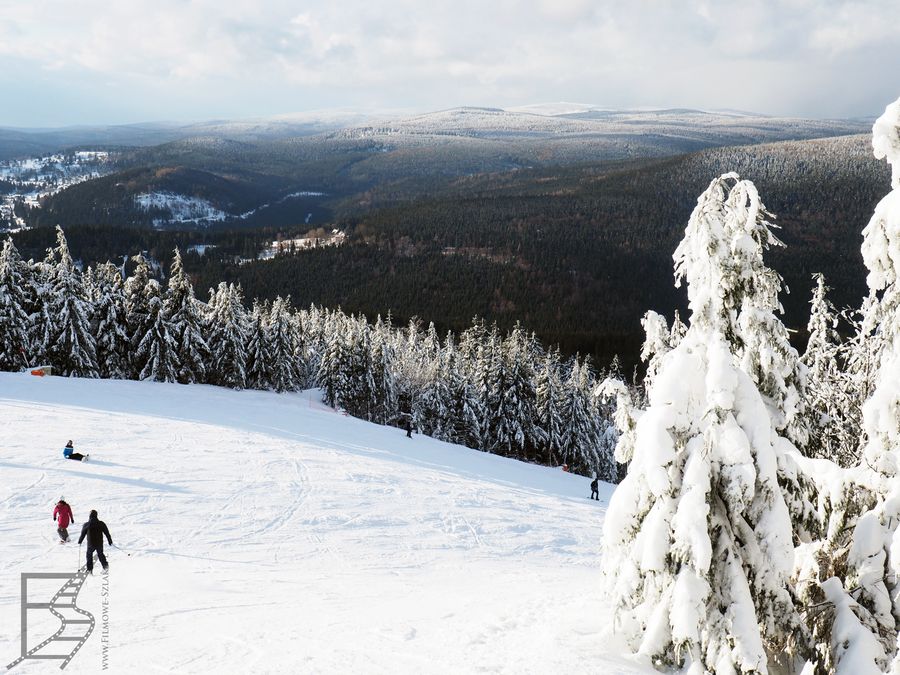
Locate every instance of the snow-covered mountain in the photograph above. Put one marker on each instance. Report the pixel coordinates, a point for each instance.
(591, 123)
(269, 533)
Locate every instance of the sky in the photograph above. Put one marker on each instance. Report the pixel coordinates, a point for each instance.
(98, 62)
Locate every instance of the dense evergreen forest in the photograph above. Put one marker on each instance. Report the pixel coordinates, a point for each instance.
(576, 254)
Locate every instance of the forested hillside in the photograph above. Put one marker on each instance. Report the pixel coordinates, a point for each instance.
(576, 254)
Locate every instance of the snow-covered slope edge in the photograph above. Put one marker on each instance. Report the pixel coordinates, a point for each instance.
(271, 534)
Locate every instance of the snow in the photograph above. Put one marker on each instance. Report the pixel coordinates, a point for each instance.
(886, 139)
(200, 249)
(34, 178)
(180, 208)
(272, 534)
(855, 647)
(334, 238)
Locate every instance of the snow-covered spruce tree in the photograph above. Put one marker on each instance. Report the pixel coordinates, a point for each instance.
(462, 407)
(873, 558)
(383, 393)
(332, 364)
(414, 368)
(38, 285)
(310, 325)
(657, 343)
(15, 345)
(830, 396)
(488, 377)
(698, 537)
(607, 432)
(283, 347)
(435, 407)
(470, 394)
(71, 350)
(259, 352)
(227, 341)
(515, 426)
(185, 314)
(550, 404)
(881, 254)
(108, 325)
(157, 350)
(751, 305)
(137, 323)
(581, 425)
(358, 376)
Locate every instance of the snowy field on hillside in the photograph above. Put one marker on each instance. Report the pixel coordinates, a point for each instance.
(269, 533)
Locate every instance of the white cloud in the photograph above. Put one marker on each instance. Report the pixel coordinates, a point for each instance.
(762, 54)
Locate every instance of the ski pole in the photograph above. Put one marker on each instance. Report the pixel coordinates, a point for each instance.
(121, 549)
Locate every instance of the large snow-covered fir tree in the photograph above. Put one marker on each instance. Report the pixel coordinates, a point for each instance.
(185, 314)
(15, 345)
(383, 394)
(259, 355)
(881, 254)
(284, 348)
(71, 347)
(834, 402)
(109, 325)
(515, 416)
(550, 404)
(873, 558)
(157, 350)
(137, 322)
(698, 538)
(40, 293)
(581, 436)
(228, 332)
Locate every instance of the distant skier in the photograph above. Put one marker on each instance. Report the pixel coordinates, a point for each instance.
(69, 453)
(62, 515)
(408, 429)
(94, 529)
(595, 491)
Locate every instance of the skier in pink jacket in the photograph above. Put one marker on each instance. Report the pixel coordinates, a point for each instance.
(62, 514)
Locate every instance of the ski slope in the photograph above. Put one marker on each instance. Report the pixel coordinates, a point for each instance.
(271, 534)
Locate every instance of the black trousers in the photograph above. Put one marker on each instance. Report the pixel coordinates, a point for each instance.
(76, 456)
(90, 557)
(593, 493)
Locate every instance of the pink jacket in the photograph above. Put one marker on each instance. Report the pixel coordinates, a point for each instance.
(63, 514)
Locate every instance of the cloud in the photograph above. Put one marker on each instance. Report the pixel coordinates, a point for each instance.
(805, 57)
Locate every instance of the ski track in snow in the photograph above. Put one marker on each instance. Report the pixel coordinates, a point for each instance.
(270, 534)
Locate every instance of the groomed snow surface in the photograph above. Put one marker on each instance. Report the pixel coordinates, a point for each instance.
(271, 534)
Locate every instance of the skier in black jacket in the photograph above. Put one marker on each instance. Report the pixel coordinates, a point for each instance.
(94, 529)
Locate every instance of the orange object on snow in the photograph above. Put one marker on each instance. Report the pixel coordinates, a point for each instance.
(41, 371)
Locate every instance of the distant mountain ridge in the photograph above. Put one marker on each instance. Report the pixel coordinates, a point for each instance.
(529, 121)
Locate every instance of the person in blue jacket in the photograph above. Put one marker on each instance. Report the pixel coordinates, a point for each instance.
(69, 453)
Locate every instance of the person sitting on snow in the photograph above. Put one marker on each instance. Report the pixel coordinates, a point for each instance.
(69, 453)
(62, 514)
